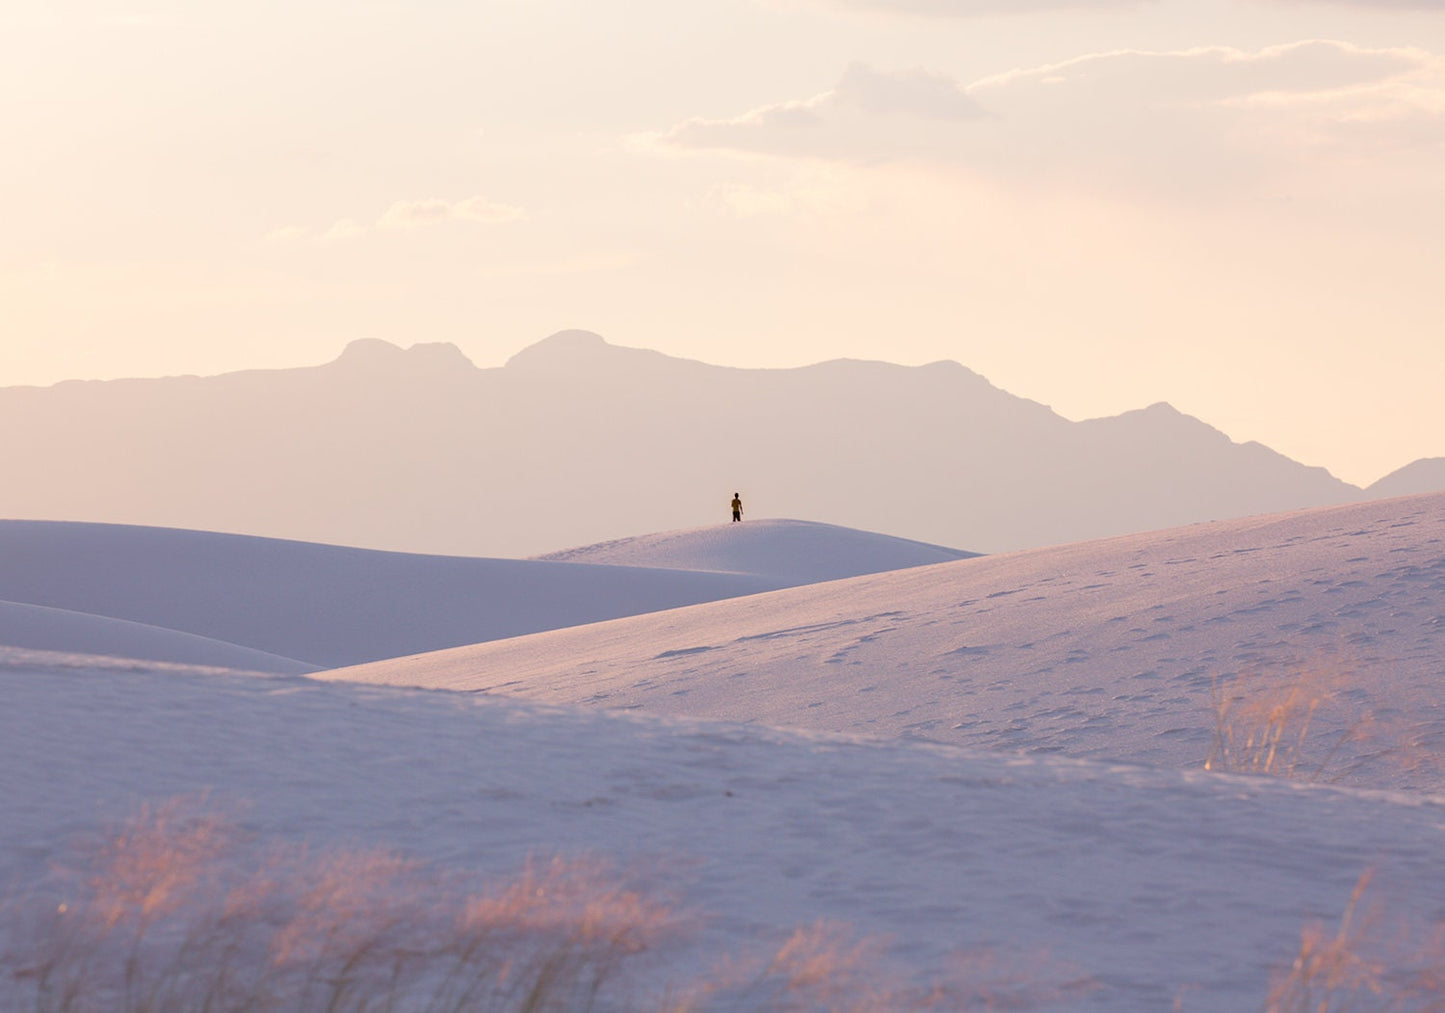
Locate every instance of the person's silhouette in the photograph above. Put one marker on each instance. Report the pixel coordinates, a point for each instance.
(737, 508)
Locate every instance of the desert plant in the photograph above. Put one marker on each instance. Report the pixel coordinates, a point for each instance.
(1331, 969)
(825, 968)
(819, 967)
(1300, 726)
(168, 914)
(1362, 963)
(177, 911)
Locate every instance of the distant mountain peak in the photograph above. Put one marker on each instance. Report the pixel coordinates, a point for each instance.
(564, 346)
(572, 338)
(1424, 475)
(368, 352)
(1160, 413)
(583, 355)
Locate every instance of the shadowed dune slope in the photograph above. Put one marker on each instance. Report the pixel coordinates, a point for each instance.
(37, 628)
(1105, 649)
(327, 605)
(324, 605)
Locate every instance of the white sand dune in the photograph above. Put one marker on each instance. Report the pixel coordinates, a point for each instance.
(329, 605)
(37, 628)
(1139, 884)
(1105, 649)
(324, 605)
(790, 551)
(1146, 884)
(1132, 884)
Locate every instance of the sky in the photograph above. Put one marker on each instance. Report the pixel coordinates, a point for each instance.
(1235, 206)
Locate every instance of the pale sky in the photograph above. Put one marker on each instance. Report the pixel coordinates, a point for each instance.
(1236, 207)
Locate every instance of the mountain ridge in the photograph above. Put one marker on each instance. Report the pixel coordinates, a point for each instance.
(1424, 475)
(577, 441)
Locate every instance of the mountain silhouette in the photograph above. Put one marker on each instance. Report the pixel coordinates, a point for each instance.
(576, 441)
(1424, 475)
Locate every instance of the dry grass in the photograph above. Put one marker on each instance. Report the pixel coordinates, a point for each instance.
(823, 967)
(1308, 725)
(173, 913)
(1362, 964)
(987, 980)
(820, 967)
(1332, 969)
(177, 911)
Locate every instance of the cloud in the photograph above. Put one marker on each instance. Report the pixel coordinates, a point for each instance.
(413, 214)
(741, 200)
(418, 213)
(916, 92)
(290, 234)
(971, 8)
(868, 114)
(976, 8)
(342, 230)
(1211, 118)
(817, 189)
(1402, 5)
(1212, 73)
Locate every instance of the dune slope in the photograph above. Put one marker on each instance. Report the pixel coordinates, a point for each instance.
(1107, 649)
(1130, 887)
(324, 605)
(37, 628)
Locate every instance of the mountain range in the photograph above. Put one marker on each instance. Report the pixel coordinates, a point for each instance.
(577, 441)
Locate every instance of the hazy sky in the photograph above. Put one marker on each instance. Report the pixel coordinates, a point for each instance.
(1237, 207)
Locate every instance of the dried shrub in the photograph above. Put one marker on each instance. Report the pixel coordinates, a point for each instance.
(173, 913)
(1308, 725)
(824, 968)
(178, 911)
(1364, 962)
(1331, 968)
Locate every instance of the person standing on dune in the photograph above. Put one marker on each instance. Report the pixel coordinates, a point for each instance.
(737, 508)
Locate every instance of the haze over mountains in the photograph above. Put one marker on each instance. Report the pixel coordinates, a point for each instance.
(577, 441)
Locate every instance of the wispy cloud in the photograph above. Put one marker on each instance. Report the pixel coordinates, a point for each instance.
(818, 189)
(977, 8)
(973, 8)
(870, 113)
(1210, 117)
(420, 213)
(1214, 73)
(1420, 5)
(411, 214)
